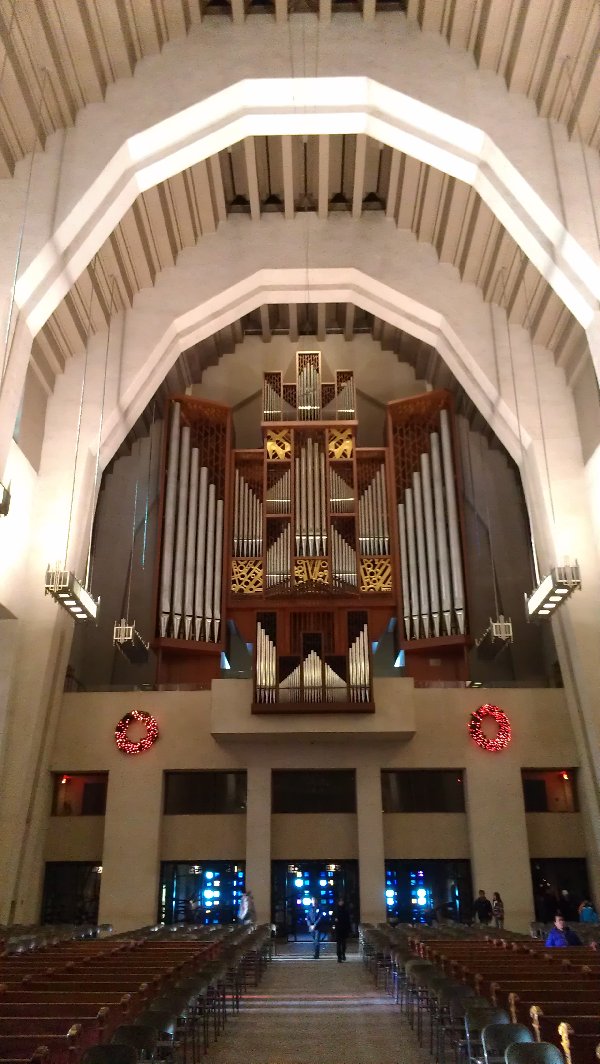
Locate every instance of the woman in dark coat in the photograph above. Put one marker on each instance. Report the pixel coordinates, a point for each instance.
(342, 927)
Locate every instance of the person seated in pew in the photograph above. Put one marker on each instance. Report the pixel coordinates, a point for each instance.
(561, 934)
(587, 913)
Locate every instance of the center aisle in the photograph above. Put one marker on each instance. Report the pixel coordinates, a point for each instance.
(308, 1011)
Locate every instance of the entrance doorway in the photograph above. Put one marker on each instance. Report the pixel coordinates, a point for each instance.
(294, 883)
(200, 892)
(426, 891)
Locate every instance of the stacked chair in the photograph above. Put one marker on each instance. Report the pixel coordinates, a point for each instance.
(123, 999)
(481, 998)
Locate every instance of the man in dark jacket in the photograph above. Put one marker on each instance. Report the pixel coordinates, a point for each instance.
(342, 926)
(482, 908)
(316, 919)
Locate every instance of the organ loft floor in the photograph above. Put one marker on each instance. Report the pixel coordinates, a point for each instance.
(308, 1011)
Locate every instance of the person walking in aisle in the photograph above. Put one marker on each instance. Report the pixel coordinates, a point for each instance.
(342, 927)
(498, 909)
(317, 925)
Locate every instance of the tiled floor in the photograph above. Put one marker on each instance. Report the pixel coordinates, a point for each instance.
(316, 1012)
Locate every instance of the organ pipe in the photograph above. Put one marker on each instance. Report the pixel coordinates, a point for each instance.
(412, 562)
(218, 569)
(453, 531)
(404, 568)
(247, 519)
(200, 554)
(440, 533)
(421, 557)
(372, 516)
(310, 496)
(210, 561)
(180, 536)
(434, 587)
(166, 580)
(429, 541)
(190, 554)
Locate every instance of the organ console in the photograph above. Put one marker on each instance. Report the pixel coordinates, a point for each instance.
(312, 545)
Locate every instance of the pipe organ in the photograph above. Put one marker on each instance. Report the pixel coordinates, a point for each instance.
(429, 522)
(311, 544)
(193, 504)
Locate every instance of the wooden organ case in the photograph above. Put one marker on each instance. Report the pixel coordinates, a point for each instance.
(310, 544)
(311, 571)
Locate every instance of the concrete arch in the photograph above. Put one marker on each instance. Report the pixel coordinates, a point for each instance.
(261, 107)
(196, 98)
(383, 270)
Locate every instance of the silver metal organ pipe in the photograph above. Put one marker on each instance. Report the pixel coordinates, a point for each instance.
(453, 531)
(298, 498)
(200, 554)
(434, 587)
(236, 511)
(323, 501)
(404, 569)
(166, 573)
(303, 503)
(190, 554)
(412, 561)
(372, 519)
(310, 491)
(210, 563)
(377, 514)
(182, 509)
(440, 533)
(421, 555)
(383, 511)
(218, 569)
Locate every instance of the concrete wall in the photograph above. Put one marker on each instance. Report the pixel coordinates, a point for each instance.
(495, 833)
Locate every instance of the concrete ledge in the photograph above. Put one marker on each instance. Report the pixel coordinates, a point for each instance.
(393, 716)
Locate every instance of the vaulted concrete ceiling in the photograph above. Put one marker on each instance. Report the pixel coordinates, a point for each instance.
(548, 50)
(323, 174)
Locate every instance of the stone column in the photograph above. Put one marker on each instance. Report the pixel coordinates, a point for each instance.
(258, 840)
(131, 854)
(371, 860)
(498, 834)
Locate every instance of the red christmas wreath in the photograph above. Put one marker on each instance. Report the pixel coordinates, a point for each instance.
(125, 744)
(476, 731)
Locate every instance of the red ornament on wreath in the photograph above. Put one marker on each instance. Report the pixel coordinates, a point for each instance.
(502, 739)
(122, 728)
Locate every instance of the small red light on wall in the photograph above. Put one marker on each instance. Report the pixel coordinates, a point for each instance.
(565, 775)
(65, 779)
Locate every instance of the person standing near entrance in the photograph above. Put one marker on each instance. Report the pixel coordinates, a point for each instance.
(317, 925)
(341, 918)
(498, 910)
(482, 908)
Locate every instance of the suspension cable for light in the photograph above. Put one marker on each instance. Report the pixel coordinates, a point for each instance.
(499, 632)
(5, 494)
(126, 638)
(552, 590)
(61, 583)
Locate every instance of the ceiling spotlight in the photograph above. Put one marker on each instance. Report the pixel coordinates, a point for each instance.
(66, 589)
(552, 591)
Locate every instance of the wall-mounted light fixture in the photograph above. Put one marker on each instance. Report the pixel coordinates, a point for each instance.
(66, 589)
(129, 641)
(552, 591)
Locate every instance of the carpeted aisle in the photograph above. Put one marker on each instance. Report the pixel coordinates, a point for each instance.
(308, 1011)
